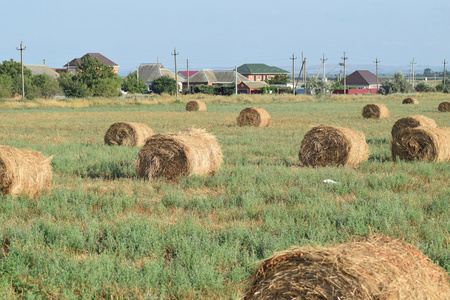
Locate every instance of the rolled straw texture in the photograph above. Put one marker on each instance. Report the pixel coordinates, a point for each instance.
(196, 105)
(422, 143)
(331, 145)
(254, 116)
(376, 268)
(127, 134)
(375, 111)
(444, 106)
(410, 101)
(193, 151)
(411, 122)
(24, 171)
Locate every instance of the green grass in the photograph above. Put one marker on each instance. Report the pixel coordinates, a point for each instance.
(103, 233)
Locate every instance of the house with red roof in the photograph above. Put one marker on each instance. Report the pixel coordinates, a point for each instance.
(74, 63)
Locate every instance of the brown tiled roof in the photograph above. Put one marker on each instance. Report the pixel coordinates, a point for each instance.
(361, 77)
(77, 61)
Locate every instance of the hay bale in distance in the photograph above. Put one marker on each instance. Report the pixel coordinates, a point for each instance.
(193, 151)
(444, 106)
(331, 145)
(377, 267)
(375, 111)
(254, 116)
(24, 171)
(127, 134)
(411, 122)
(196, 105)
(422, 143)
(410, 100)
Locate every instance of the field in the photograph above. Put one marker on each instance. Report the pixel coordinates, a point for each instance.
(101, 232)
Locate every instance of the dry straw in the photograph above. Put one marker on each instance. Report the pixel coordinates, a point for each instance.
(411, 122)
(375, 111)
(422, 143)
(127, 134)
(254, 116)
(196, 105)
(331, 145)
(24, 171)
(410, 101)
(193, 151)
(374, 268)
(444, 106)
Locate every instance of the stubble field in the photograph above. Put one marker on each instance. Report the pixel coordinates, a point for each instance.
(101, 232)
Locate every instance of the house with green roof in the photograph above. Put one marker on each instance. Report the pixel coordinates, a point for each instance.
(259, 72)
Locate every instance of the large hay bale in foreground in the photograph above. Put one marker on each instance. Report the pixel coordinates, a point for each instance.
(127, 134)
(254, 116)
(193, 151)
(444, 106)
(422, 143)
(196, 105)
(331, 145)
(410, 101)
(24, 171)
(411, 122)
(374, 268)
(375, 111)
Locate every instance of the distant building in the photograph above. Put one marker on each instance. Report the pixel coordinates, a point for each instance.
(150, 72)
(184, 74)
(260, 72)
(360, 82)
(74, 63)
(213, 77)
(251, 87)
(43, 70)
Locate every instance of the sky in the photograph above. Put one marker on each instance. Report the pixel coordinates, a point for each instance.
(226, 34)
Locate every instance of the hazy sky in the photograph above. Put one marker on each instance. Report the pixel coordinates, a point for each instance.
(225, 34)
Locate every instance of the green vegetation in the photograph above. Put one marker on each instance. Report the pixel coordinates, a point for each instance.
(164, 84)
(133, 85)
(103, 233)
(396, 85)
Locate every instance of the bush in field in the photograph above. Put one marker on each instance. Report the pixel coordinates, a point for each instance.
(396, 85)
(204, 89)
(317, 87)
(42, 86)
(440, 87)
(72, 87)
(164, 84)
(133, 84)
(424, 87)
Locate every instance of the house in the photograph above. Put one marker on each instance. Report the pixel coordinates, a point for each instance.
(74, 63)
(251, 87)
(213, 77)
(43, 70)
(260, 72)
(149, 72)
(360, 82)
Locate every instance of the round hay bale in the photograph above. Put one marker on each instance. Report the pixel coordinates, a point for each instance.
(410, 101)
(127, 134)
(377, 267)
(193, 151)
(196, 105)
(24, 171)
(444, 106)
(411, 122)
(254, 116)
(331, 145)
(375, 111)
(422, 143)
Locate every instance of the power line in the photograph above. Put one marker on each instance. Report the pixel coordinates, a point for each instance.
(21, 63)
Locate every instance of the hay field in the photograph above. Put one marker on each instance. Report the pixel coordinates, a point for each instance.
(104, 233)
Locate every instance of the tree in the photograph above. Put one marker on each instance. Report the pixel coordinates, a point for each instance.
(71, 86)
(278, 79)
(428, 73)
(133, 85)
(204, 89)
(396, 85)
(100, 79)
(316, 87)
(43, 86)
(163, 84)
(424, 87)
(13, 70)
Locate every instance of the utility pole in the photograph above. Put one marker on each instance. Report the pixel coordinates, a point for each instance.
(376, 66)
(293, 73)
(175, 53)
(187, 65)
(44, 61)
(323, 62)
(235, 80)
(412, 71)
(445, 62)
(21, 62)
(345, 79)
(304, 74)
